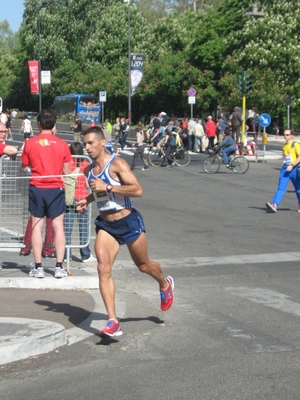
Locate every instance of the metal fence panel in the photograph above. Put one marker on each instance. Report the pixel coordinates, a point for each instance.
(14, 214)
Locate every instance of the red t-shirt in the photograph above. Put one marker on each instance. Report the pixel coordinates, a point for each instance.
(46, 154)
(2, 147)
(81, 183)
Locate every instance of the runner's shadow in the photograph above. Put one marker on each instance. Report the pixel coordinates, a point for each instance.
(78, 316)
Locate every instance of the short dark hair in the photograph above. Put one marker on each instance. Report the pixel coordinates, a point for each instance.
(95, 129)
(76, 148)
(47, 118)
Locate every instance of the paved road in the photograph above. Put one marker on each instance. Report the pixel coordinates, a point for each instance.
(233, 332)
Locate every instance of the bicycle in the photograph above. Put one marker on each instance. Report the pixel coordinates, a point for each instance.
(211, 164)
(180, 157)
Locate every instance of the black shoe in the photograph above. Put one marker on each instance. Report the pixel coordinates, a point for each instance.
(49, 255)
(24, 253)
(132, 168)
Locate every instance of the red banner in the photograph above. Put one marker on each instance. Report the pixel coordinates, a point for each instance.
(34, 76)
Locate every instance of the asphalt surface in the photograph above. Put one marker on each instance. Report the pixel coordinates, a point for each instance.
(58, 305)
(233, 332)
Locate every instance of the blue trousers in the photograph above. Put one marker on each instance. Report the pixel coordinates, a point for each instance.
(226, 153)
(284, 179)
(83, 225)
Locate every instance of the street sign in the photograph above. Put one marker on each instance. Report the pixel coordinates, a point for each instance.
(264, 120)
(102, 96)
(46, 77)
(192, 92)
(288, 101)
(192, 100)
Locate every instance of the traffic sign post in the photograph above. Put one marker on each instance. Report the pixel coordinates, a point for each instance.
(192, 98)
(264, 121)
(288, 102)
(192, 101)
(102, 99)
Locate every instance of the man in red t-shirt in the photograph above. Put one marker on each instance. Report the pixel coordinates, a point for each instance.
(48, 157)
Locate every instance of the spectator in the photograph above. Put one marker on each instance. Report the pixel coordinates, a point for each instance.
(116, 130)
(221, 126)
(288, 172)
(124, 130)
(81, 192)
(26, 128)
(139, 144)
(77, 129)
(170, 146)
(8, 127)
(236, 123)
(211, 129)
(48, 157)
(199, 133)
(108, 125)
(5, 149)
(48, 247)
(191, 137)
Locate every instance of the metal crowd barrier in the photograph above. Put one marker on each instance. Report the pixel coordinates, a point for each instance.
(14, 214)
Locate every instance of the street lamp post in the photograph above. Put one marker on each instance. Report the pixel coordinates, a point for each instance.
(129, 74)
(40, 69)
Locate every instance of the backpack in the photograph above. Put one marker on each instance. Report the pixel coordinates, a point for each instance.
(70, 186)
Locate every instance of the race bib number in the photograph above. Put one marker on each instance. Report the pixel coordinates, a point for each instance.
(287, 159)
(102, 199)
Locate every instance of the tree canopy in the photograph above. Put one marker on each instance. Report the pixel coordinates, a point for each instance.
(85, 45)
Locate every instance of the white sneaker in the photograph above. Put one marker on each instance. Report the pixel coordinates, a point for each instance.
(90, 259)
(60, 272)
(37, 273)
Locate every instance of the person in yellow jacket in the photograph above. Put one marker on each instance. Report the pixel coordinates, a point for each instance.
(288, 172)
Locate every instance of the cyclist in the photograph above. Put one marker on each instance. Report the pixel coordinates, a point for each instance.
(170, 146)
(227, 146)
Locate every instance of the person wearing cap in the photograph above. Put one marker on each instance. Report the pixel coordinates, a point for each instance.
(164, 119)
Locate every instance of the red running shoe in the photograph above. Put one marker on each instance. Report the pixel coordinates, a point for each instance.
(167, 295)
(113, 328)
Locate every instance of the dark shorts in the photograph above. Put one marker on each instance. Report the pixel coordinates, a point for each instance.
(124, 230)
(46, 202)
(26, 135)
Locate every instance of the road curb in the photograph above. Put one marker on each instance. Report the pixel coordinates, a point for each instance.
(22, 338)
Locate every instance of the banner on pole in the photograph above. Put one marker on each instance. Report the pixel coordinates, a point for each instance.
(33, 67)
(136, 71)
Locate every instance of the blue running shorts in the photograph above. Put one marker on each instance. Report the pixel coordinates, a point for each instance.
(124, 230)
(49, 202)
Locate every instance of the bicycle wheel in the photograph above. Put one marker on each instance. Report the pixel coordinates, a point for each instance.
(155, 157)
(240, 165)
(211, 165)
(182, 157)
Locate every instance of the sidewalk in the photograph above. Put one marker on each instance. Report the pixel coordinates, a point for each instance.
(55, 313)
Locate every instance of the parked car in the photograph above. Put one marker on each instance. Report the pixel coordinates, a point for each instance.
(31, 114)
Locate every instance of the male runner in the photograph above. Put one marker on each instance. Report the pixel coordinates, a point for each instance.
(112, 182)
